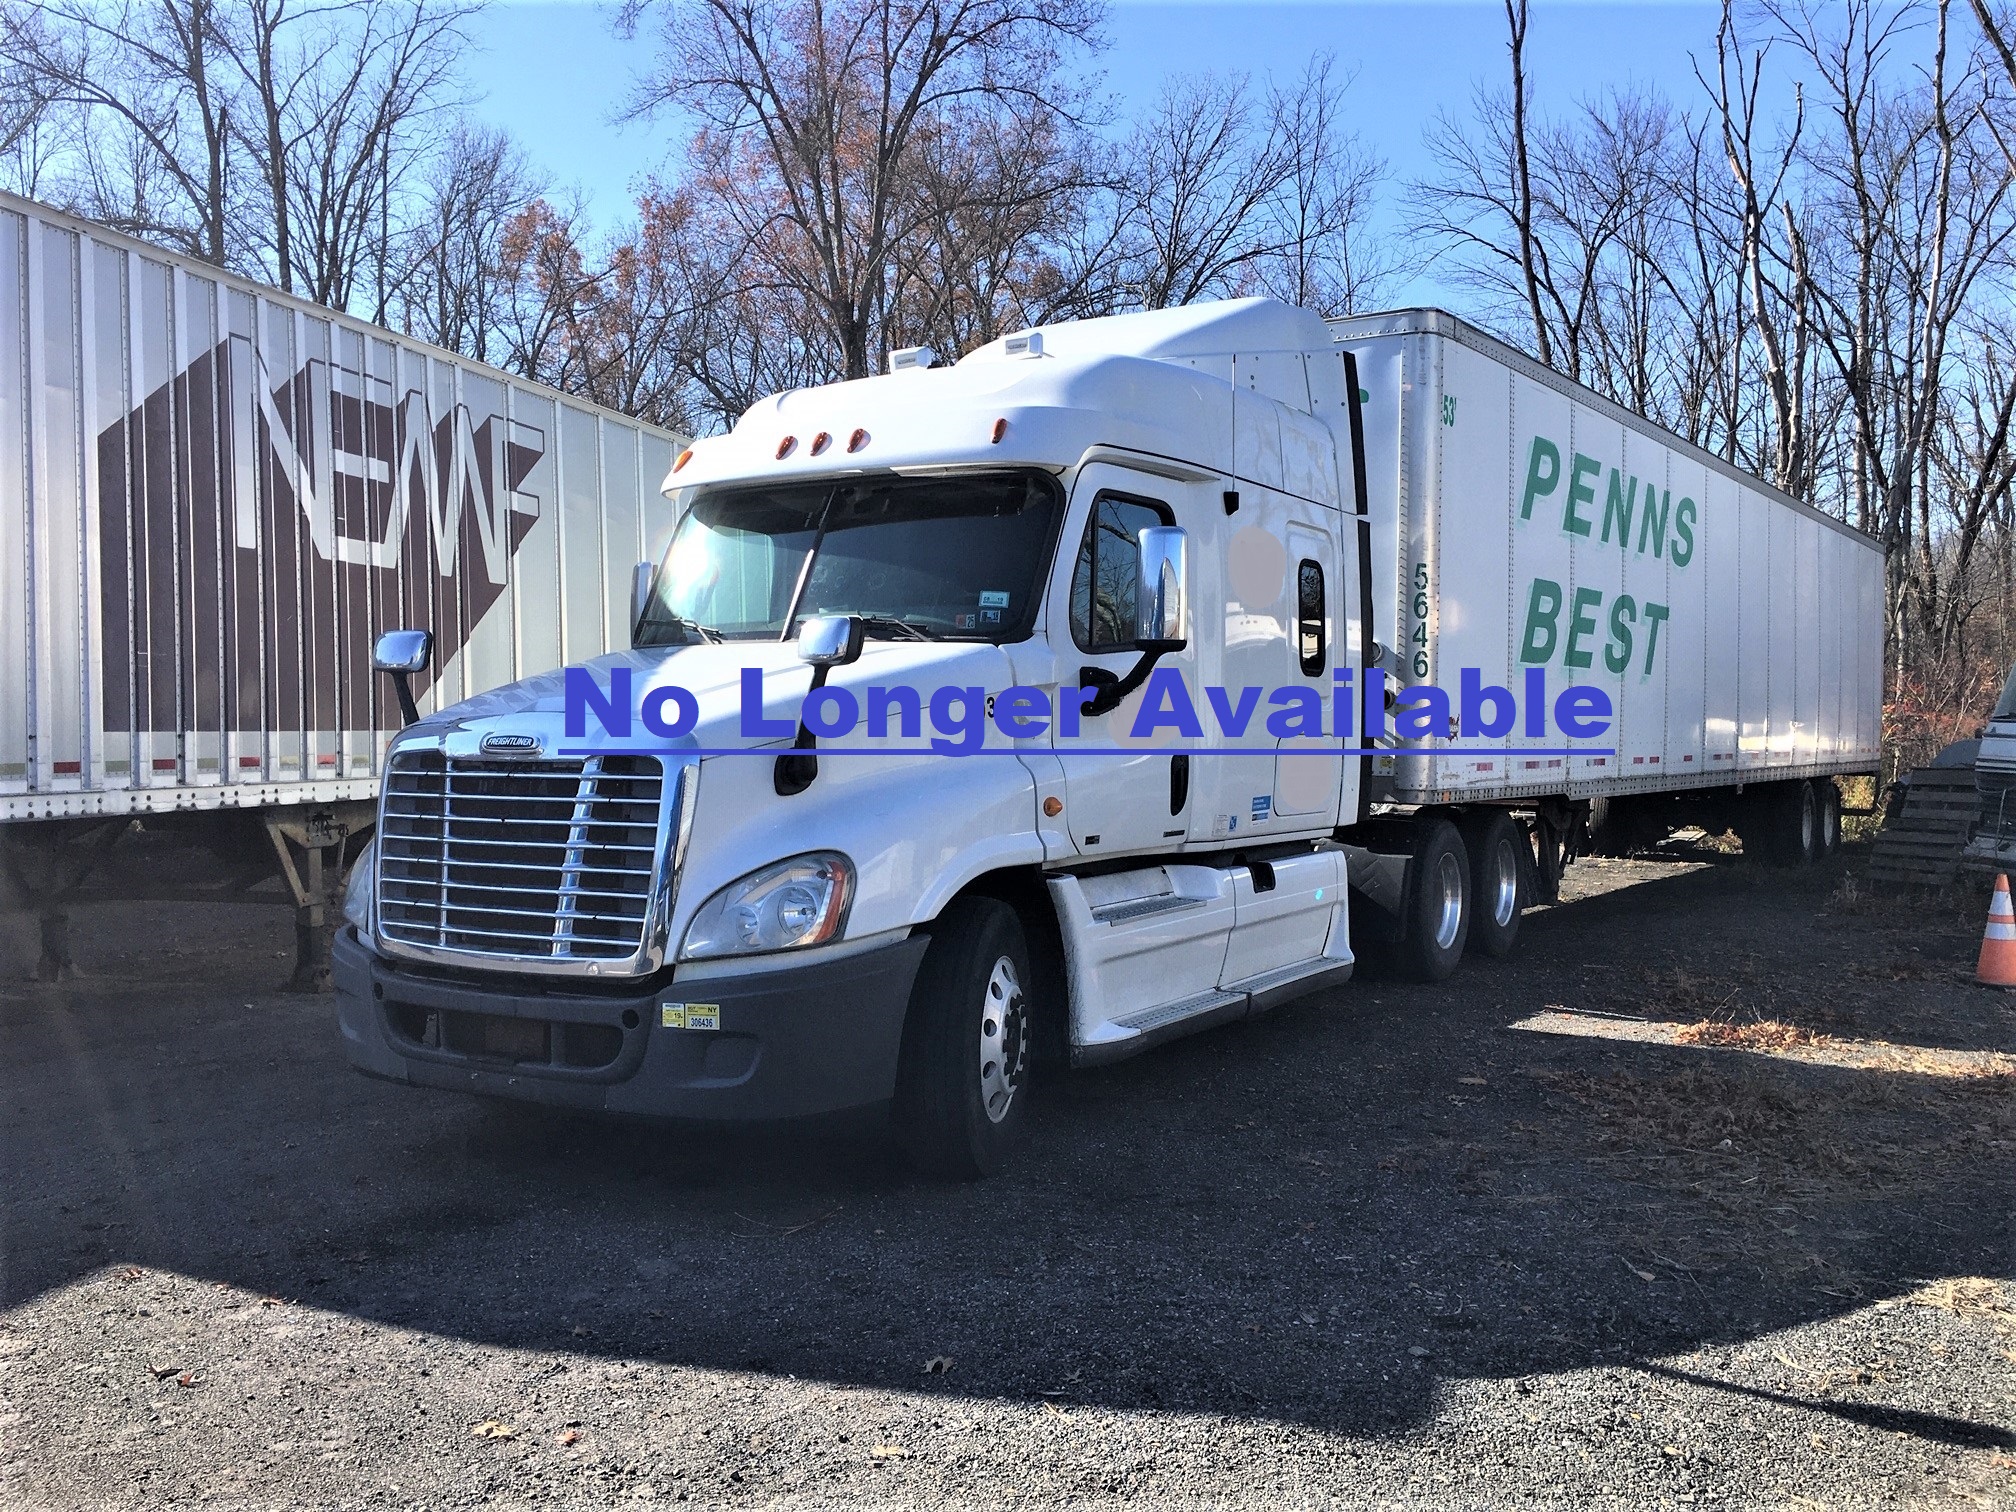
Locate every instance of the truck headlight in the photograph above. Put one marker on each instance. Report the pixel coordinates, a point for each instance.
(357, 892)
(800, 901)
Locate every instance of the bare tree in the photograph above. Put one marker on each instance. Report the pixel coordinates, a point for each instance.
(1530, 253)
(1202, 170)
(1326, 255)
(274, 136)
(156, 69)
(448, 282)
(813, 114)
(1776, 277)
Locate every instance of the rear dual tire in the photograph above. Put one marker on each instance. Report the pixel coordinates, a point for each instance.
(1794, 823)
(1500, 857)
(1828, 794)
(1435, 919)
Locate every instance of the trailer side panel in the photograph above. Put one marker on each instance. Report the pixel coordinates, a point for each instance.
(213, 497)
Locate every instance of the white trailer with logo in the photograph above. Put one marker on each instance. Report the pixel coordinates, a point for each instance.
(841, 828)
(1522, 522)
(214, 496)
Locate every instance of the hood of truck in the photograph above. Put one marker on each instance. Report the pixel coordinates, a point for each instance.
(713, 674)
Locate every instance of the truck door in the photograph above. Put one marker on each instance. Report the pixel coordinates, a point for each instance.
(1281, 602)
(1121, 794)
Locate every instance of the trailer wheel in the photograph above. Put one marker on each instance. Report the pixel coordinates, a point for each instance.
(1828, 830)
(961, 1079)
(1498, 889)
(1607, 833)
(1785, 823)
(1437, 917)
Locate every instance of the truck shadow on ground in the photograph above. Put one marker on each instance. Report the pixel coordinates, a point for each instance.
(1320, 1216)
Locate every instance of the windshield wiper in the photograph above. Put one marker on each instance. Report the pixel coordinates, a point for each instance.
(900, 627)
(693, 629)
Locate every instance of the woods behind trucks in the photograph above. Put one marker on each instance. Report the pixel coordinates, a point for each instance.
(625, 887)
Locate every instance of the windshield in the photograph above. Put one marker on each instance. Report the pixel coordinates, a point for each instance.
(2005, 707)
(954, 557)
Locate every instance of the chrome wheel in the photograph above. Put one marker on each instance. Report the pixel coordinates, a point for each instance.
(1004, 1040)
(1448, 894)
(1504, 885)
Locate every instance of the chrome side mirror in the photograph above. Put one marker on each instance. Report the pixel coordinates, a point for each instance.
(830, 640)
(1158, 598)
(825, 641)
(640, 595)
(402, 653)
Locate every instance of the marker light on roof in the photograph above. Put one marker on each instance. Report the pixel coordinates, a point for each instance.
(1000, 430)
(684, 457)
(820, 442)
(856, 441)
(785, 447)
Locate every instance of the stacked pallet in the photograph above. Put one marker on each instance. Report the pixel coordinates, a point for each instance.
(1920, 842)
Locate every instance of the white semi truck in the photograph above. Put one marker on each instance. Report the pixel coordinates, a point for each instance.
(1082, 694)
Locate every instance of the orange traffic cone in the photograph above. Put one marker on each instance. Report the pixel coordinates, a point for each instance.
(1998, 942)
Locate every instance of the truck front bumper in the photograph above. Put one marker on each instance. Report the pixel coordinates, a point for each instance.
(797, 1040)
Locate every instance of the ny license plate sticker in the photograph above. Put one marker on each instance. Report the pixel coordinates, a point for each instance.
(689, 1015)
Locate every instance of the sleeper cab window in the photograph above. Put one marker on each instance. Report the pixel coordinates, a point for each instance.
(1103, 584)
(1309, 648)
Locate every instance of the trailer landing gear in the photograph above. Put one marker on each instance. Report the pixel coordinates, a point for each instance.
(320, 836)
(218, 856)
(44, 865)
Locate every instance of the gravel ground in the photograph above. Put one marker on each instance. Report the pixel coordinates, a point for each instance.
(1402, 1244)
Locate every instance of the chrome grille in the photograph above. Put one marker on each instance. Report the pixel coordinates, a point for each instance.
(552, 860)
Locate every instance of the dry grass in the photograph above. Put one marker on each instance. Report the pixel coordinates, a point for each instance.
(1766, 1034)
(1673, 992)
(1962, 905)
(1969, 1297)
(1743, 1137)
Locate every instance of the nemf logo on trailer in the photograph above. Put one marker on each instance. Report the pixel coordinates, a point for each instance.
(249, 528)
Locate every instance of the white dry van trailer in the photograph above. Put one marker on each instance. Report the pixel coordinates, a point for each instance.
(212, 497)
(1124, 678)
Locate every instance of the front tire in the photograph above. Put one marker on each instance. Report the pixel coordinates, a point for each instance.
(961, 1083)
(1497, 891)
(1437, 917)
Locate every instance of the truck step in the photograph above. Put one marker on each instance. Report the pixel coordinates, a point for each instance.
(1142, 908)
(1150, 1019)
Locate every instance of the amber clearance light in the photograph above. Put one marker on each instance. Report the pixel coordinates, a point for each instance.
(684, 457)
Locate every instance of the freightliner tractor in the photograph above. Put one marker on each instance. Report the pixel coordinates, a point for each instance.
(1121, 679)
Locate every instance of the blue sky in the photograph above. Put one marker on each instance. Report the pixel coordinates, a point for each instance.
(554, 74)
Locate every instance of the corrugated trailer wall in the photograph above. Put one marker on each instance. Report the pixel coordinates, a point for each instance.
(214, 496)
(1737, 631)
